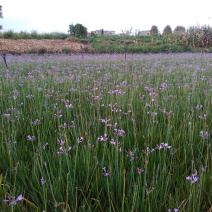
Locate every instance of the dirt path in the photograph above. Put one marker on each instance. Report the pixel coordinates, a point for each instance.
(34, 46)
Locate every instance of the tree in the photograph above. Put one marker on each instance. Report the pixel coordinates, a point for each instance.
(179, 29)
(102, 32)
(154, 30)
(1, 16)
(71, 29)
(78, 30)
(167, 30)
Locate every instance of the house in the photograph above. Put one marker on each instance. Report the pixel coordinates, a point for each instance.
(102, 32)
(107, 32)
(145, 32)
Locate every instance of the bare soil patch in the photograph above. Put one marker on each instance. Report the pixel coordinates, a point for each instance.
(36, 46)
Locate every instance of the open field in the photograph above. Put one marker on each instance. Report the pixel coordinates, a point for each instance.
(101, 133)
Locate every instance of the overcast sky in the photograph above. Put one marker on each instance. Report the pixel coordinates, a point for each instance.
(117, 15)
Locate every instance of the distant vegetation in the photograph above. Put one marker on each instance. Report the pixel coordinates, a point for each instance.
(194, 39)
(10, 34)
(1, 16)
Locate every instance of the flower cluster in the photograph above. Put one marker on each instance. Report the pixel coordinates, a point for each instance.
(163, 146)
(62, 149)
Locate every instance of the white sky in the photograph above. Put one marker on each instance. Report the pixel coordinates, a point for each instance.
(117, 15)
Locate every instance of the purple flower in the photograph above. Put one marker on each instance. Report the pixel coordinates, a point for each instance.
(64, 125)
(80, 139)
(31, 138)
(6, 115)
(112, 142)
(139, 170)
(120, 132)
(203, 168)
(42, 180)
(163, 146)
(188, 178)
(36, 122)
(103, 138)
(204, 135)
(58, 115)
(60, 142)
(203, 116)
(198, 107)
(147, 105)
(13, 200)
(19, 198)
(175, 210)
(193, 178)
(104, 120)
(69, 106)
(63, 150)
(105, 172)
(163, 86)
(131, 154)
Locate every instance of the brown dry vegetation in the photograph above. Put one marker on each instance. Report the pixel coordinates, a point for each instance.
(34, 46)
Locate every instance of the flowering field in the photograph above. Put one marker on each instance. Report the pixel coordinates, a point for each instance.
(101, 133)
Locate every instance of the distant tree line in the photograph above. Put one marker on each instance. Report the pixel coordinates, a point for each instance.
(167, 30)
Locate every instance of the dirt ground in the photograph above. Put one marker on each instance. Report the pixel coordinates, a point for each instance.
(34, 46)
